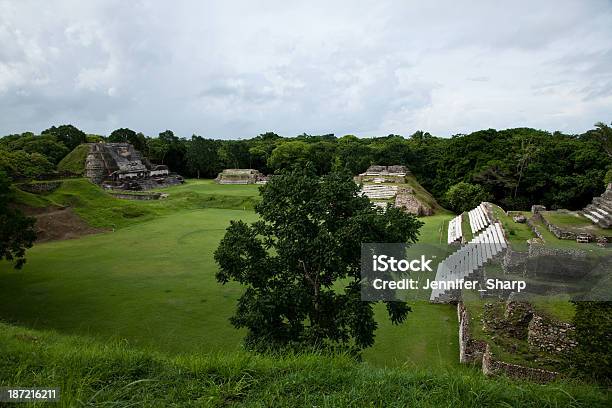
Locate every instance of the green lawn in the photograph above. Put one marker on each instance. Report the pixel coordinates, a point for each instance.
(574, 222)
(104, 211)
(205, 186)
(516, 233)
(152, 283)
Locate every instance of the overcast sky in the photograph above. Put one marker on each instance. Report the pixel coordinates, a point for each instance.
(234, 69)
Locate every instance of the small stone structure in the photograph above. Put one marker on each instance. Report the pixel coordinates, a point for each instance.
(120, 166)
(383, 174)
(541, 333)
(241, 176)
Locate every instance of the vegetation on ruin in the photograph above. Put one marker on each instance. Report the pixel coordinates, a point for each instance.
(74, 162)
(114, 373)
(501, 336)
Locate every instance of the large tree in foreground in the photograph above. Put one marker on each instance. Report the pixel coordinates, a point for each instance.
(301, 262)
(16, 231)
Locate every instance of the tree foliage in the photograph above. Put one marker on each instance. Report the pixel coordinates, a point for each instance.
(16, 231)
(202, 158)
(295, 259)
(465, 196)
(69, 135)
(516, 167)
(591, 358)
(125, 135)
(22, 165)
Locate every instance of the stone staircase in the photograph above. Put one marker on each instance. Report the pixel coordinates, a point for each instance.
(600, 210)
(468, 259)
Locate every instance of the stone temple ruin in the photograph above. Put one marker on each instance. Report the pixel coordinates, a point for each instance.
(600, 210)
(120, 166)
(386, 184)
(241, 176)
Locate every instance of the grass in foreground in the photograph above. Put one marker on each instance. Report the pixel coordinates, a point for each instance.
(95, 374)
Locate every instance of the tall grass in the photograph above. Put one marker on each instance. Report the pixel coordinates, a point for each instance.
(96, 374)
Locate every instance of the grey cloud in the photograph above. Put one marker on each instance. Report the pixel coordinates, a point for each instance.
(236, 69)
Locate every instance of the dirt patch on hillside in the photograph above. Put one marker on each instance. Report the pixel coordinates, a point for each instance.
(59, 223)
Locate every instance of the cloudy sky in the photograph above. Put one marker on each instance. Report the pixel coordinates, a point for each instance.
(234, 69)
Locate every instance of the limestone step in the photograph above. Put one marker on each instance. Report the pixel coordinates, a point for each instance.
(602, 203)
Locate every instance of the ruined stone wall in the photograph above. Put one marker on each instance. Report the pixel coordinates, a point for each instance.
(552, 336)
(558, 232)
(138, 197)
(406, 200)
(568, 264)
(40, 188)
(534, 228)
(542, 250)
(470, 350)
(514, 262)
(491, 366)
(521, 322)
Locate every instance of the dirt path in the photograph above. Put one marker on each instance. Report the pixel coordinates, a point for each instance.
(58, 223)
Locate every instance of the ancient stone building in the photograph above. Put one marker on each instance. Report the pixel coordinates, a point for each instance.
(387, 184)
(120, 166)
(241, 176)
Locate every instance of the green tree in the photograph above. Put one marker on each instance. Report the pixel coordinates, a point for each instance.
(234, 154)
(47, 145)
(125, 135)
(20, 164)
(300, 263)
(202, 157)
(16, 231)
(353, 154)
(289, 154)
(608, 177)
(69, 135)
(603, 132)
(158, 149)
(592, 358)
(465, 196)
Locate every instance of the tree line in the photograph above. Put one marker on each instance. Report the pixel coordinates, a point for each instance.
(514, 167)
